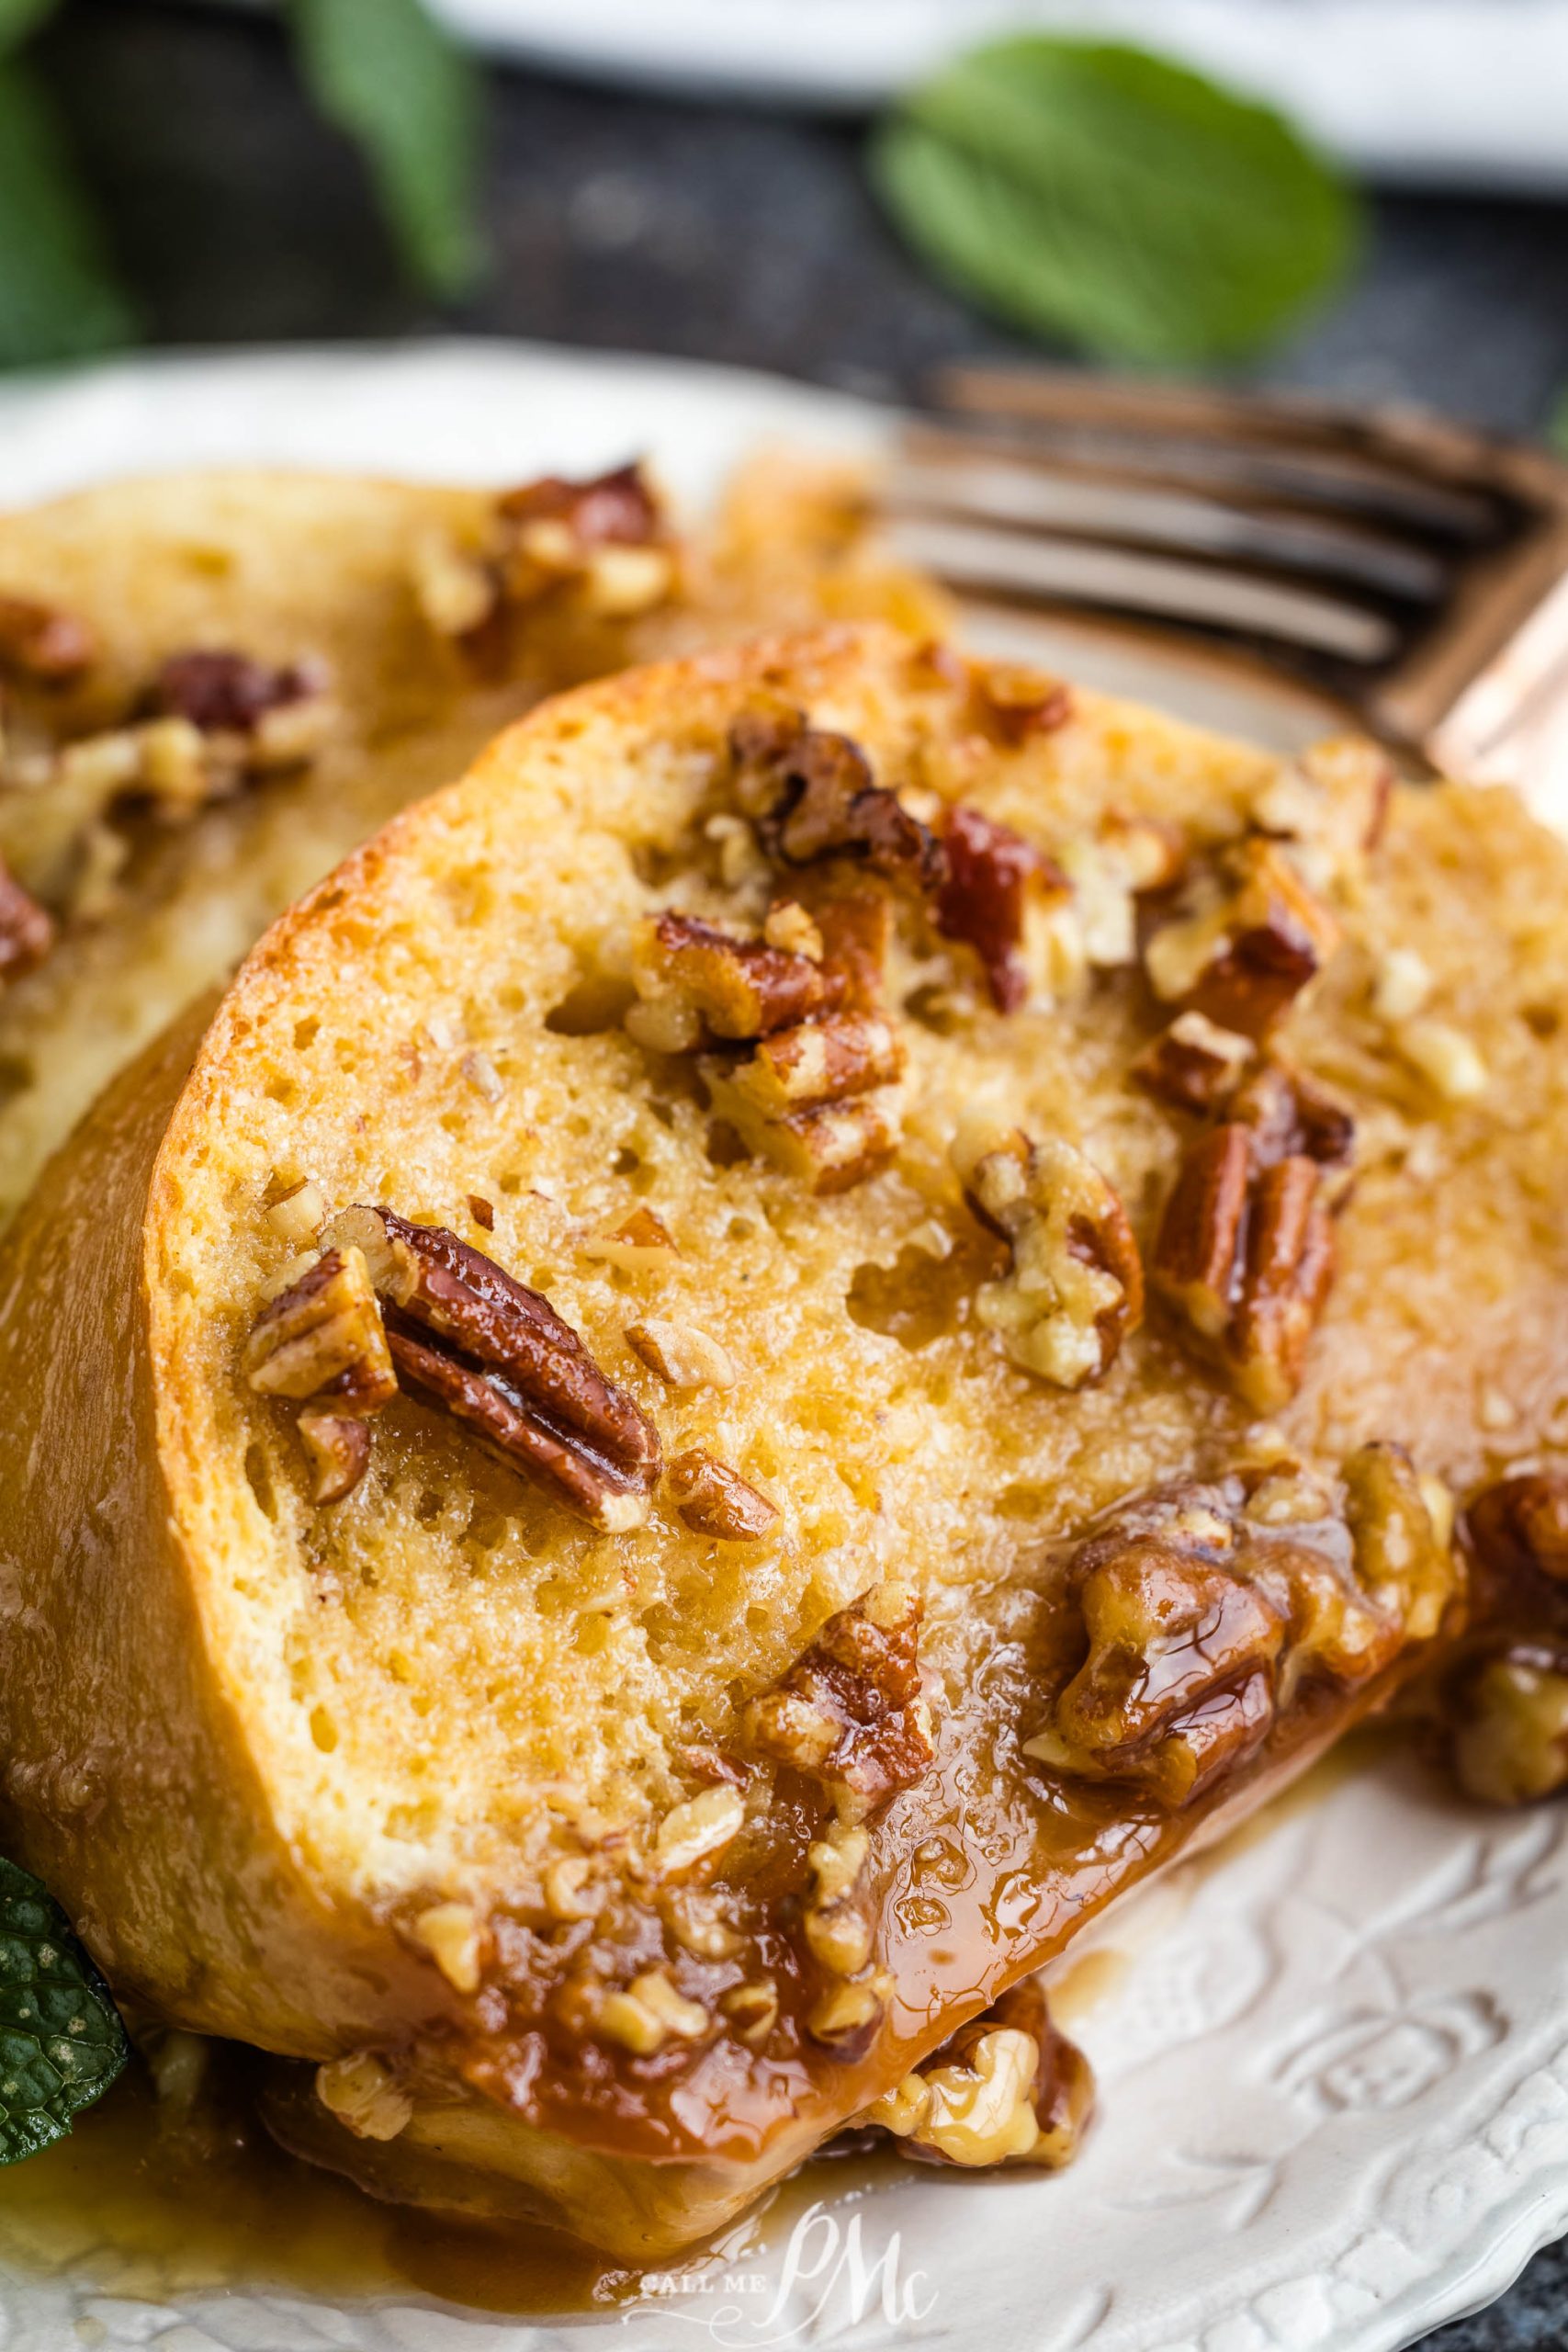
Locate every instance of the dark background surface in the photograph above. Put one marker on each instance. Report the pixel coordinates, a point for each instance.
(717, 233)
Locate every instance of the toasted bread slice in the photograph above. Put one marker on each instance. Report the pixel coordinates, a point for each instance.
(401, 625)
(767, 1350)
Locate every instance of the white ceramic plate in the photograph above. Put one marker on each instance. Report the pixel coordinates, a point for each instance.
(1333, 2061)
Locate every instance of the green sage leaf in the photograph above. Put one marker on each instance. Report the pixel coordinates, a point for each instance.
(388, 78)
(1092, 191)
(61, 2043)
(59, 296)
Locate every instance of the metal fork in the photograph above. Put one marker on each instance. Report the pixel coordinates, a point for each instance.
(1414, 572)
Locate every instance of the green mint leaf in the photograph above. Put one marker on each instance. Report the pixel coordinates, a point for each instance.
(58, 298)
(61, 2043)
(386, 75)
(21, 17)
(1091, 191)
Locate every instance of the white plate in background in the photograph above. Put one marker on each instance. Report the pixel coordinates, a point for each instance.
(1333, 2061)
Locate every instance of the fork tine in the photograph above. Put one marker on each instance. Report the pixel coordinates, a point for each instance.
(1291, 449)
(956, 476)
(1048, 567)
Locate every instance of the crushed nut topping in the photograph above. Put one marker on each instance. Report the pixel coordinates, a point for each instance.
(642, 1244)
(1195, 1064)
(227, 693)
(1015, 702)
(834, 1921)
(1075, 1287)
(704, 981)
(453, 1935)
(644, 2017)
(1521, 1523)
(1509, 1726)
(702, 1826)
(681, 1354)
(1006, 2088)
(849, 1712)
(468, 1339)
(846, 2018)
(1205, 1609)
(753, 2010)
(27, 931)
(338, 1451)
(1450, 1062)
(815, 796)
(993, 875)
(365, 2096)
(324, 1338)
(43, 644)
(715, 1500)
(1333, 804)
(1253, 940)
(1245, 1255)
(603, 540)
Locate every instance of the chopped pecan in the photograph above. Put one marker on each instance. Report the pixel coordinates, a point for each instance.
(1521, 1523)
(715, 1500)
(849, 1712)
(495, 1355)
(323, 1338)
(856, 927)
(1333, 802)
(227, 693)
(681, 1353)
(705, 980)
(821, 1061)
(338, 1450)
(1246, 1256)
(615, 509)
(1508, 1725)
(830, 1148)
(43, 644)
(1075, 1285)
(1194, 1064)
(1291, 1116)
(1245, 954)
(815, 796)
(1016, 702)
(993, 875)
(27, 930)
(1006, 2088)
(1404, 1562)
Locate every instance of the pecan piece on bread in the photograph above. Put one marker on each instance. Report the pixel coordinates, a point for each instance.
(27, 930)
(1205, 1608)
(471, 1339)
(42, 644)
(1508, 1725)
(1194, 1065)
(223, 693)
(1014, 702)
(1244, 954)
(712, 1499)
(993, 876)
(1075, 1287)
(813, 795)
(603, 539)
(1245, 1255)
(695, 981)
(1006, 2088)
(1521, 1523)
(849, 1712)
(321, 1341)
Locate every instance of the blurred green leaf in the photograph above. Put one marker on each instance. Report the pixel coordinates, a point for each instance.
(21, 17)
(390, 78)
(59, 298)
(61, 2043)
(1091, 190)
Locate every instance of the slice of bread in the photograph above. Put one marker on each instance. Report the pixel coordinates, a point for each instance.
(768, 1350)
(152, 858)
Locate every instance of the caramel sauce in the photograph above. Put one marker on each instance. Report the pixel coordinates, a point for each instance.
(151, 2203)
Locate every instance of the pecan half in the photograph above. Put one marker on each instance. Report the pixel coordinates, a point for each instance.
(712, 1499)
(1075, 1287)
(43, 644)
(993, 875)
(849, 1712)
(1245, 954)
(27, 930)
(1245, 1254)
(481, 1346)
(815, 796)
(1006, 2088)
(702, 980)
